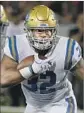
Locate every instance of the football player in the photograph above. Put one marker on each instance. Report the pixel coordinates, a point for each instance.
(3, 27)
(41, 61)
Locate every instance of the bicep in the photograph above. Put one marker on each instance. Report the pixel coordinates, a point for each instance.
(9, 73)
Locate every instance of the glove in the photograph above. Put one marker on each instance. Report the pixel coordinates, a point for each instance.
(40, 66)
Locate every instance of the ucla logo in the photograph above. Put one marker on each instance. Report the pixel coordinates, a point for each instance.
(43, 25)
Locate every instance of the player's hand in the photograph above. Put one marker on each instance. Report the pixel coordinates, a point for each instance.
(41, 65)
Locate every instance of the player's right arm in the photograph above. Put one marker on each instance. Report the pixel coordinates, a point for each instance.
(13, 72)
(9, 73)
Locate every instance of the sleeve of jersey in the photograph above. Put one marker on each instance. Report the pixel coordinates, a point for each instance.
(73, 54)
(10, 48)
(77, 54)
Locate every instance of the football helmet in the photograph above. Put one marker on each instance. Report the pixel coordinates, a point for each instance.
(3, 21)
(3, 25)
(41, 18)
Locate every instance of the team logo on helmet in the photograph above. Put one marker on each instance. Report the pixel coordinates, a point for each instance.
(43, 25)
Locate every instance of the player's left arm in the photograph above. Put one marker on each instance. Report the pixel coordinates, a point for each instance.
(78, 70)
(77, 61)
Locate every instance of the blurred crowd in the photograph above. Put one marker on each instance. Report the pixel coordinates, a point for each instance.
(70, 17)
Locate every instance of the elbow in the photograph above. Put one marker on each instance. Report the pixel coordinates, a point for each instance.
(4, 82)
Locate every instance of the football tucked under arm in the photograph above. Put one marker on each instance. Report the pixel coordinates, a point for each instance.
(26, 62)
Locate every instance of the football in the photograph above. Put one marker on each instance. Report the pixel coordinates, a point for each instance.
(25, 62)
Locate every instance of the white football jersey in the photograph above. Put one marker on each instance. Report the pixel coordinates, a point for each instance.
(53, 85)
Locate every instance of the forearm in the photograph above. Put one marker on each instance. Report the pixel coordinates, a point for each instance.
(10, 77)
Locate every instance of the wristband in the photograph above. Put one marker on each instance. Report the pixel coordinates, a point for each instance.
(26, 72)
